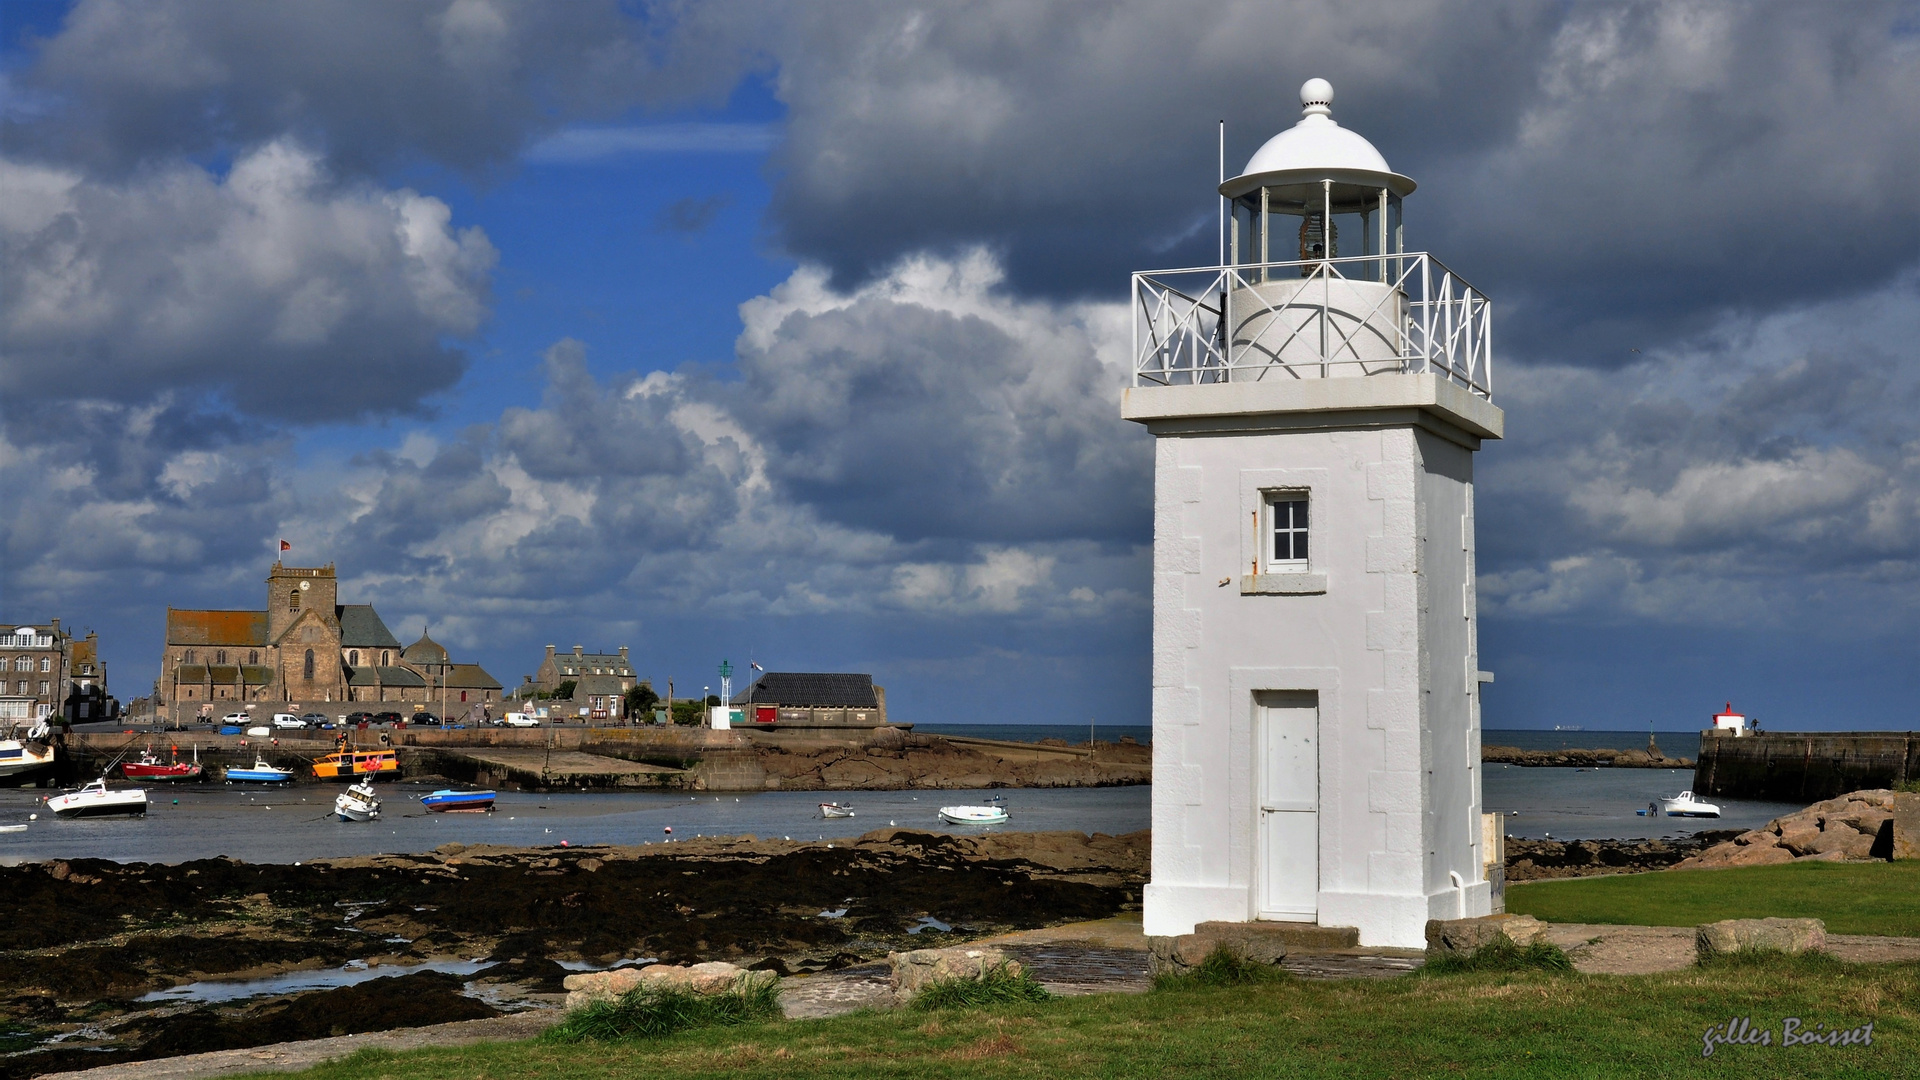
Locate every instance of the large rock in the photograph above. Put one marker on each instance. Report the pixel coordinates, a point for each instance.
(1721, 856)
(1801, 840)
(1753, 935)
(709, 978)
(1259, 942)
(1906, 826)
(1846, 841)
(1464, 937)
(914, 970)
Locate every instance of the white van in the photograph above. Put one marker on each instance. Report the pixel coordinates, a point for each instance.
(287, 720)
(521, 719)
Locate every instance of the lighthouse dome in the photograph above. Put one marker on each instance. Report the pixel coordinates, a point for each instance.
(1317, 148)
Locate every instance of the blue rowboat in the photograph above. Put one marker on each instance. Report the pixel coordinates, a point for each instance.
(444, 801)
(260, 773)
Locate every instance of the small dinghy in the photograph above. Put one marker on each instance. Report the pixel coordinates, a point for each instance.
(13, 828)
(259, 773)
(1686, 804)
(995, 813)
(97, 800)
(357, 803)
(446, 801)
(834, 809)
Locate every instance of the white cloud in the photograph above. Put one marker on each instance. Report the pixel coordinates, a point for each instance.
(290, 295)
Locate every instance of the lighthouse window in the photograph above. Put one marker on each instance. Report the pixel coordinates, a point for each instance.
(1287, 518)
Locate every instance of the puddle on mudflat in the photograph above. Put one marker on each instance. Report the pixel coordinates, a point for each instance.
(351, 973)
(928, 922)
(297, 982)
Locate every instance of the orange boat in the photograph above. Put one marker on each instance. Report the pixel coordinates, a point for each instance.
(354, 764)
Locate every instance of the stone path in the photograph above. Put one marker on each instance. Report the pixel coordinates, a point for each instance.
(1599, 949)
(833, 993)
(295, 1056)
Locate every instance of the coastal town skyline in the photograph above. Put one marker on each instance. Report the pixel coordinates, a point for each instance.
(799, 334)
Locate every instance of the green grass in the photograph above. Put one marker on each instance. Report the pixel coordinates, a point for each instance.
(998, 985)
(652, 1012)
(1501, 954)
(1224, 966)
(1853, 898)
(1500, 1025)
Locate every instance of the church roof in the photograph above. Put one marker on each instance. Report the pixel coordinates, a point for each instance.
(829, 689)
(471, 677)
(191, 626)
(425, 651)
(384, 675)
(361, 628)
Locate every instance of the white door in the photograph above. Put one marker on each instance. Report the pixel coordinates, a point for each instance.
(1289, 787)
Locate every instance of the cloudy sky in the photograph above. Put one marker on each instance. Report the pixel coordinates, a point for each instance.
(797, 333)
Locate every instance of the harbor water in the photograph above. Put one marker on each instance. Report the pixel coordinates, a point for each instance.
(292, 824)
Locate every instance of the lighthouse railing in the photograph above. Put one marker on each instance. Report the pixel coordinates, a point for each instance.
(1320, 318)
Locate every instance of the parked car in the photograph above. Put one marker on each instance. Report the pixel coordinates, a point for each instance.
(237, 718)
(521, 719)
(423, 717)
(314, 719)
(387, 718)
(285, 720)
(353, 718)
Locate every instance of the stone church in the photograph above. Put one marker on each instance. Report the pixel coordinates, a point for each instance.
(307, 648)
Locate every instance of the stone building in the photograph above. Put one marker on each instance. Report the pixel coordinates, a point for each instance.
(557, 668)
(87, 697)
(305, 647)
(453, 688)
(33, 670)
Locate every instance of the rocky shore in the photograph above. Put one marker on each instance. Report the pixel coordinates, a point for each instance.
(1857, 826)
(889, 759)
(1618, 759)
(1537, 860)
(93, 937)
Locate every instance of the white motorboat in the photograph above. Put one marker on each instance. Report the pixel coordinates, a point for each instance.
(995, 813)
(1686, 804)
(19, 755)
(357, 803)
(97, 800)
(834, 809)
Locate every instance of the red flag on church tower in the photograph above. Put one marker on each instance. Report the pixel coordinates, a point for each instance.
(284, 546)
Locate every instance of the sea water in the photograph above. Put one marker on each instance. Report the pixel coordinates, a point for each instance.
(295, 824)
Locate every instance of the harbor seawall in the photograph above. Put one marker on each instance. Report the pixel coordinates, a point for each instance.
(1805, 766)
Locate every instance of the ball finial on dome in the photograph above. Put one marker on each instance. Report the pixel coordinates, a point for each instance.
(1315, 97)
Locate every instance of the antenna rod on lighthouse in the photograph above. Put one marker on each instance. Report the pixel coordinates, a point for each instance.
(1221, 231)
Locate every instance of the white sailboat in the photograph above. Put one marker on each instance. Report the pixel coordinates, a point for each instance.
(97, 800)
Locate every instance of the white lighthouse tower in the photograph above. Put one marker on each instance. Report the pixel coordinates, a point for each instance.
(1316, 404)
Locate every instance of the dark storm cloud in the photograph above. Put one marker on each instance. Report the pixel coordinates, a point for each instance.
(1610, 173)
(463, 82)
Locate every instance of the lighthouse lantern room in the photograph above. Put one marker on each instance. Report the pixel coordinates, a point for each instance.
(1316, 402)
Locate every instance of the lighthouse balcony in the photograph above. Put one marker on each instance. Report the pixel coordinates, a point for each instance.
(1311, 319)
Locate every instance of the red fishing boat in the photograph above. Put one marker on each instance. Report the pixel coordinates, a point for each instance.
(152, 768)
